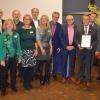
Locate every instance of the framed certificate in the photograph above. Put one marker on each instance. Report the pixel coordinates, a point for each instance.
(86, 41)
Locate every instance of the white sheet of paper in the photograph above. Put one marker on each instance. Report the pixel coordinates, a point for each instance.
(86, 41)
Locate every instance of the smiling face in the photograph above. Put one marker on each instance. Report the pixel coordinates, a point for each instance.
(27, 20)
(70, 19)
(44, 20)
(9, 25)
(93, 17)
(16, 15)
(35, 13)
(86, 20)
(55, 17)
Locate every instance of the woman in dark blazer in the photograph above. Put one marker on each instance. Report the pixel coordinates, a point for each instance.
(29, 51)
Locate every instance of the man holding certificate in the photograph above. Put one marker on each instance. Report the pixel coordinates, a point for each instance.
(87, 40)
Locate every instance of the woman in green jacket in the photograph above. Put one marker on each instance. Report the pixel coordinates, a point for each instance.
(9, 50)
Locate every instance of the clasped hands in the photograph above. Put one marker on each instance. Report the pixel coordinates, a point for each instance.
(69, 48)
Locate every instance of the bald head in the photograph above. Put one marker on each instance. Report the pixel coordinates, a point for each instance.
(70, 19)
(16, 14)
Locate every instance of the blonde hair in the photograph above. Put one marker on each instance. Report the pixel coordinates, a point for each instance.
(48, 25)
(6, 22)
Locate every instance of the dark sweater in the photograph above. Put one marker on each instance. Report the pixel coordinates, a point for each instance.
(27, 38)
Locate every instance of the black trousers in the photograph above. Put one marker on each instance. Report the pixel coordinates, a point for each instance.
(44, 70)
(27, 75)
(3, 78)
(84, 65)
(10, 65)
(19, 70)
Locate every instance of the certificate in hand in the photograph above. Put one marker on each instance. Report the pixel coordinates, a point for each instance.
(86, 41)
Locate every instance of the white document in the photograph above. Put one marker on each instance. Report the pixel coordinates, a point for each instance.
(86, 41)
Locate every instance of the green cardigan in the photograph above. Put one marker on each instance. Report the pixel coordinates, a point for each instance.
(13, 51)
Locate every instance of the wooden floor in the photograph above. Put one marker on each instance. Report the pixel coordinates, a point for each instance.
(57, 91)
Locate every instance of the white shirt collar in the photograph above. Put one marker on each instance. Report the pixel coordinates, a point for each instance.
(86, 26)
(36, 23)
(87, 29)
(35, 19)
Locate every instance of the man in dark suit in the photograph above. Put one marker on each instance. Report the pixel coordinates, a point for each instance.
(98, 45)
(35, 25)
(16, 18)
(56, 29)
(35, 20)
(1, 21)
(96, 27)
(84, 53)
(70, 31)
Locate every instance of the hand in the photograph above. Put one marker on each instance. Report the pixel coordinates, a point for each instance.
(80, 47)
(3, 63)
(35, 53)
(58, 50)
(50, 51)
(70, 48)
(19, 61)
(89, 48)
(43, 52)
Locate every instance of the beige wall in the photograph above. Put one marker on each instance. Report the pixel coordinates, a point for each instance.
(45, 6)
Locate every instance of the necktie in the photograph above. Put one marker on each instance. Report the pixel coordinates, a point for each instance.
(86, 30)
(70, 34)
(53, 29)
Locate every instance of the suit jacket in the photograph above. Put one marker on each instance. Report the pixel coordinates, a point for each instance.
(57, 37)
(33, 25)
(2, 25)
(98, 44)
(66, 40)
(92, 31)
(18, 26)
(97, 29)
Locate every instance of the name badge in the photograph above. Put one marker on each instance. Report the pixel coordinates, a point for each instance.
(15, 36)
(31, 32)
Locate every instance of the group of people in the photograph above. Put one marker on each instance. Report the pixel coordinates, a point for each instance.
(45, 48)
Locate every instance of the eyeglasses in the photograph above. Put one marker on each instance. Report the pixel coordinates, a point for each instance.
(27, 19)
(56, 16)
